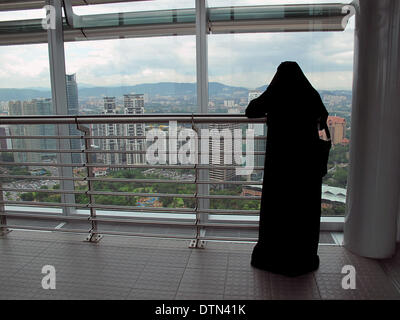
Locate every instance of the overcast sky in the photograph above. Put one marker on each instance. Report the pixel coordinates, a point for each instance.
(247, 60)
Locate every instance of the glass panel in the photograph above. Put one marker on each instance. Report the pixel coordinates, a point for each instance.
(228, 3)
(241, 65)
(134, 6)
(22, 15)
(25, 90)
(137, 18)
(163, 69)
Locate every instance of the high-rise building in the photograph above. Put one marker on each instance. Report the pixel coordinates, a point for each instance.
(217, 153)
(34, 107)
(15, 109)
(337, 129)
(229, 103)
(72, 94)
(134, 104)
(4, 142)
(260, 129)
(112, 129)
(73, 109)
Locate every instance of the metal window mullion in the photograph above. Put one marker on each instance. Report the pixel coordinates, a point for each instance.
(59, 96)
(202, 94)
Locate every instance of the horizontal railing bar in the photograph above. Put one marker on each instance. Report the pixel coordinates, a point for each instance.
(129, 208)
(132, 180)
(98, 206)
(172, 195)
(43, 204)
(133, 194)
(140, 180)
(160, 152)
(141, 209)
(141, 166)
(228, 211)
(149, 222)
(43, 164)
(231, 182)
(174, 223)
(109, 193)
(44, 229)
(236, 239)
(229, 197)
(185, 237)
(46, 150)
(117, 151)
(169, 166)
(146, 235)
(124, 220)
(44, 216)
(133, 234)
(130, 221)
(174, 181)
(105, 193)
(144, 137)
(133, 166)
(45, 137)
(40, 177)
(144, 118)
(228, 225)
(111, 137)
(96, 165)
(44, 190)
(88, 219)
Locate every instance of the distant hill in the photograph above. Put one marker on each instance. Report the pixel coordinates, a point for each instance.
(22, 94)
(216, 90)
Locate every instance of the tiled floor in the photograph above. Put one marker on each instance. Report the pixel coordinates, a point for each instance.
(137, 268)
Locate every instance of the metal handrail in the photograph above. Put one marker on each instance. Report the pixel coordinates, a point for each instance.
(139, 118)
(89, 178)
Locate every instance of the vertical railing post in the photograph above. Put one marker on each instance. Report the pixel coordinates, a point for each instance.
(93, 235)
(3, 219)
(196, 242)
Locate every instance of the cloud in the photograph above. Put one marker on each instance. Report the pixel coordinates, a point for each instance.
(247, 60)
(250, 60)
(24, 66)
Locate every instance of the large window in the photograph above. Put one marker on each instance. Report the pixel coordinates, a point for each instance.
(140, 58)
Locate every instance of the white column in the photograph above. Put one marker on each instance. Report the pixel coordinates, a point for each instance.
(374, 178)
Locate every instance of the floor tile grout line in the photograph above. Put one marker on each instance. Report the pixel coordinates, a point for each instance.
(392, 280)
(185, 268)
(32, 258)
(133, 285)
(317, 286)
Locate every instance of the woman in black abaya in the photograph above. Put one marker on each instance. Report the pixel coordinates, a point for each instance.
(291, 196)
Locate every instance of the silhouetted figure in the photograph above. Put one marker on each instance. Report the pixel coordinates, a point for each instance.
(291, 195)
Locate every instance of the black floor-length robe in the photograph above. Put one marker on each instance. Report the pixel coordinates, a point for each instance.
(291, 195)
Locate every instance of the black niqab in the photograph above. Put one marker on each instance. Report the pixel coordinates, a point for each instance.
(291, 197)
